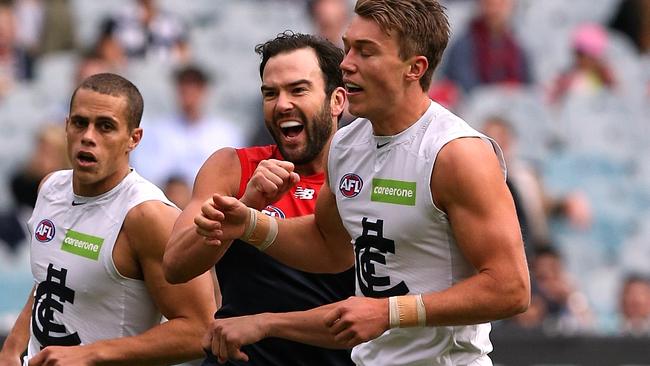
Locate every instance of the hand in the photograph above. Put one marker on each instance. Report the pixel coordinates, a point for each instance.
(271, 179)
(357, 320)
(226, 336)
(222, 218)
(64, 356)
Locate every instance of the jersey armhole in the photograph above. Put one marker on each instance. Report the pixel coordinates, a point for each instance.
(245, 171)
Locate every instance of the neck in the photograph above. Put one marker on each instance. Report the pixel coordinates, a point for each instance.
(99, 187)
(317, 165)
(401, 114)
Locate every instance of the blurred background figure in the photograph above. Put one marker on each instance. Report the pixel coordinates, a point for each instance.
(534, 205)
(147, 31)
(178, 191)
(632, 18)
(90, 63)
(178, 145)
(567, 309)
(488, 51)
(635, 306)
(45, 26)
(589, 72)
(108, 47)
(49, 154)
(330, 18)
(15, 62)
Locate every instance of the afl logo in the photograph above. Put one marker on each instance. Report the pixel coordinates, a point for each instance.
(350, 185)
(44, 231)
(273, 212)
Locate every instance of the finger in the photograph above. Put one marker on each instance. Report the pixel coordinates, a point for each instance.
(208, 210)
(225, 203)
(286, 165)
(216, 344)
(37, 360)
(206, 224)
(223, 349)
(294, 178)
(235, 353)
(332, 317)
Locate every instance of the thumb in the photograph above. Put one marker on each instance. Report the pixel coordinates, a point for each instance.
(224, 203)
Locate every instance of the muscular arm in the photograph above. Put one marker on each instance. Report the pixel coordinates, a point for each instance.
(316, 243)
(187, 254)
(16, 342)
(188, 307)
(468, 185)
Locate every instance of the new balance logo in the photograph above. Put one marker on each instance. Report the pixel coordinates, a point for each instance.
(304, 193)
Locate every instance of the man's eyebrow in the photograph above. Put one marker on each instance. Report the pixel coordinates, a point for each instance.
(265, 87)
(360, 42)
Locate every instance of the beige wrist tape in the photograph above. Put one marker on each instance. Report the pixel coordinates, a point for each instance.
(406, 311)
(261, 230)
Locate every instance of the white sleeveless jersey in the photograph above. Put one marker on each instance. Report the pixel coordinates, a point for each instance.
(80, 297)
(403, 243)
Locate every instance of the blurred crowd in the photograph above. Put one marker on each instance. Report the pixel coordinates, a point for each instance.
(570, 123)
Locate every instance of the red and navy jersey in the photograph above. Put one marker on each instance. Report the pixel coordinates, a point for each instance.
(252, 282)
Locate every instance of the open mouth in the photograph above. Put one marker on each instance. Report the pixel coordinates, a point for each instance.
(291, 128)
(353, 88)
(86, 157)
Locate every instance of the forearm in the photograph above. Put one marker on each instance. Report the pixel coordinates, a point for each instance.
(481, 298)
(172, 342)
(16, 342)
(300, 244)
(302, 326)
(188, 255)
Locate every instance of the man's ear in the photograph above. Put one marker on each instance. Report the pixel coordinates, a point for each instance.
(418, 66)
(337, 101)
(136, 137)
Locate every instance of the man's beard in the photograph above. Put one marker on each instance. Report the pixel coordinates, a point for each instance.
(317, 131)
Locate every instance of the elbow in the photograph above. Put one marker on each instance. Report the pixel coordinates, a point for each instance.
(518, 294)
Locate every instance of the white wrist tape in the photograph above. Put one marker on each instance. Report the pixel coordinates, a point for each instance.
(261, 230)
(406, 311)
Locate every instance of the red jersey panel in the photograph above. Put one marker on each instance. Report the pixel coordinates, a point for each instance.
(299, 201)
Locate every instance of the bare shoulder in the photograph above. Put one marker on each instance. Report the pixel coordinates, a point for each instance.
(462, 167)
(150, 223)
(221, 171)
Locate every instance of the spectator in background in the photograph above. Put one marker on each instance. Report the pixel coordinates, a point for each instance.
(108, 46)
(90, 63)
(534, 205)
(589, 72)
(330, 17)
(567, 309)
(15, 62)
(146, 31)
(632, 18)
(179, 145)
(488, 52)
(178, 191)
(635, 306)
(49, 155)
(45, 26)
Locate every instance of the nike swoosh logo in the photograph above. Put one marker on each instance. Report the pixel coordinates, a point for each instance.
(78, 203)
(382, 145)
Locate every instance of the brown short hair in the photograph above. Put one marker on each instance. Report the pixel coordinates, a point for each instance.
(421, 26)
(117, 86)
